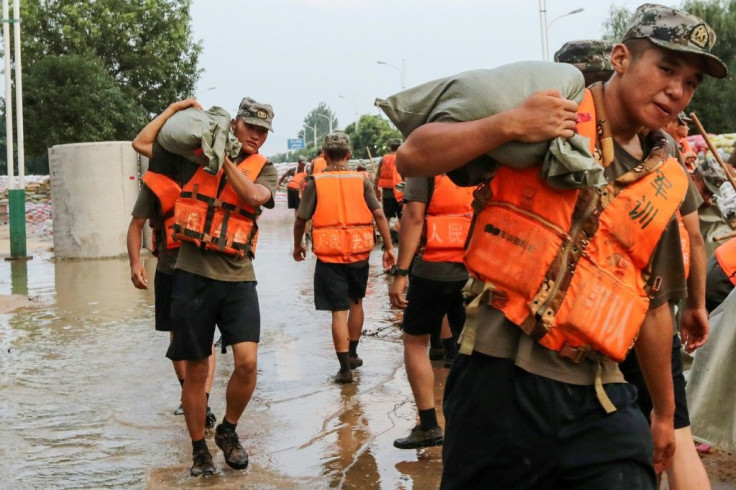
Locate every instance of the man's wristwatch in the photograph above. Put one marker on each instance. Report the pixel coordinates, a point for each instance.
(401, 272)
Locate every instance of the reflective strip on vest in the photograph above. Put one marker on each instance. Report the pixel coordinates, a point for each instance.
(342, 225)
(386, 177)
(167, 191)
(215, 219)
(447, 221)
(726, 257)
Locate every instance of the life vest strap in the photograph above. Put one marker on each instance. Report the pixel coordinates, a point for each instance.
(480, 290)
(600, 391)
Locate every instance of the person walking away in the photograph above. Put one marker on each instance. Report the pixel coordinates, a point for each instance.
(384, 186)
(295, 185)
(437, 215)
(522, 371)
(342, 207)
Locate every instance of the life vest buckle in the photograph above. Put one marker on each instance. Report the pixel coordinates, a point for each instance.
(481, 197)
(575, 354)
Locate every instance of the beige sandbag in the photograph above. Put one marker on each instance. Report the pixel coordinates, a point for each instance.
(711, 396)
(476, 94)
(203, 137)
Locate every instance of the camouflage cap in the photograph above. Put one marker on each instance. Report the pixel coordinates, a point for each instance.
(337, 141)
(587, 56)
(256, 113)
(683, 119)
(712, 173)
(676, 30)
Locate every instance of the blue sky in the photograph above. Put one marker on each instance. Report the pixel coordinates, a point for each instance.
(294, 54)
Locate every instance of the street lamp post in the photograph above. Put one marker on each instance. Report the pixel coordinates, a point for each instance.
(545, 25)
(314, 133)
(355, 109)
(402, 70)
(329, 119)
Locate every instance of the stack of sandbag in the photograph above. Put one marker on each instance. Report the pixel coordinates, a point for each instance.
(203, 137)
(711, 397)
(476, 94)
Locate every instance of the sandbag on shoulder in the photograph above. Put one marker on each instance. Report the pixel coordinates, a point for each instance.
(476, 94)
(203, 137)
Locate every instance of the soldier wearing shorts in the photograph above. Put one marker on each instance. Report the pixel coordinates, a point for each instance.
(437, 215)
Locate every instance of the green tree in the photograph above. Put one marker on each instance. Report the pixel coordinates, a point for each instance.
(145, 45)
(373, 132)
(614, 28)
(317, 125)
(104, 66)
(72, 99)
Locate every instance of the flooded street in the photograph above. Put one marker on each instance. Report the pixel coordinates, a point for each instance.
(88, 397)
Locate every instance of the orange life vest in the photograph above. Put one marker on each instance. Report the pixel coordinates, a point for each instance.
(342, 225)
(388, 166)
(212, 216)
(397, 182)
(297, 181)
(318, 165)
(167, 191)
(685, 146)
(567, 266)
(447, 221)
(726, 257)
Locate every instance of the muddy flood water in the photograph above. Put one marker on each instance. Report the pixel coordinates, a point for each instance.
(88, 398)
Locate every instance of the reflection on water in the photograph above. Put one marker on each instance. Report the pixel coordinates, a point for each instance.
(88, 398)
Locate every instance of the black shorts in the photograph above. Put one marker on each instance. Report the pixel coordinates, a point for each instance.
(335, 285)
(292, 198)
(429, 301)
(162, 285)
(632, 372)
(198, 304)
(508, 428)
(391, 207)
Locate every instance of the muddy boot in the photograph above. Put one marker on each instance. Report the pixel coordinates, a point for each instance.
(235, 455)
(419, 437)
(344, 377)
(202, 460)
(355, 362)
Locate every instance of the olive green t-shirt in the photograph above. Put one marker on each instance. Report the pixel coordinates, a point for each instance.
(418, 189)
(147, 206)
(308, 202)
(498, 337)
(220, 266)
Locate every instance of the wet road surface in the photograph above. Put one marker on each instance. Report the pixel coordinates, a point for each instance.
(88, 397)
